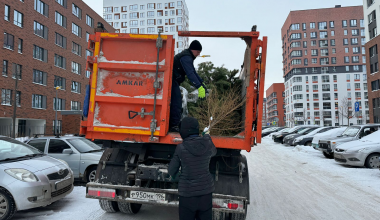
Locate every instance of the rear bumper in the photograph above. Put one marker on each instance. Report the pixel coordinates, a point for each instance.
(171, 196)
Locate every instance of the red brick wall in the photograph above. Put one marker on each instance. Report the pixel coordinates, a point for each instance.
(372, 77)
(26, 85)
(279, 88)
(320, 15)
(71, 124)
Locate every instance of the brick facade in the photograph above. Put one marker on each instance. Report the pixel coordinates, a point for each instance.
(26, 85)
(275, 104)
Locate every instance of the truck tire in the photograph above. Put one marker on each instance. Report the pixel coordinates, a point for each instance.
(7, 205)
(129, 208)
(218, 215)
(328, 155)
(109, 206)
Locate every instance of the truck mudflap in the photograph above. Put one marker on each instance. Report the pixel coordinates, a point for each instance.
(162, 197)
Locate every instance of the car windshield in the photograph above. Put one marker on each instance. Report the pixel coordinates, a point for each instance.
(310, 130)
(304, 131)
(285, 129)
(11, 149)
(83, 145)
(351, 131)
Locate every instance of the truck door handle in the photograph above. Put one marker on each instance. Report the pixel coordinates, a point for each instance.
(134, 114)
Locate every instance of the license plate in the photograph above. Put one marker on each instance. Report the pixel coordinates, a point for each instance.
(62, 184)
(147, 196)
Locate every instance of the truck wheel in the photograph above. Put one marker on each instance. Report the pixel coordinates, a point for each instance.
(109, 206)
(7, 205)
(218, 215)
(129, 208)
(235, 216)
(328, 155)
(372, 161)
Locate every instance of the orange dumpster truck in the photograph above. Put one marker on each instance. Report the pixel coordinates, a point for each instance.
(129, 107)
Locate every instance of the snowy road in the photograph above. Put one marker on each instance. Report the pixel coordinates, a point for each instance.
(286, 183)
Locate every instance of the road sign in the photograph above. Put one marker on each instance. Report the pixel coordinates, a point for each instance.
(274, 123)
(356, 106)
(268, 123)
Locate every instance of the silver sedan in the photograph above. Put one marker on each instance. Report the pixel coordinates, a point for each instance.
(30, 179)
(363, 152)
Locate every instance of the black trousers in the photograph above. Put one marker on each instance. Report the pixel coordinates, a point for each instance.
(176, 105)
(195, 208)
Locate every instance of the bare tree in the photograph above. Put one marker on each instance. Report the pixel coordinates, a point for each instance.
(322, 118)
(304, 116)
(312, 120)
(344, 110)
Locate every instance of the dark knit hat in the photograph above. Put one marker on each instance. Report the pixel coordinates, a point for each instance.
(188, 126)
(195, 45)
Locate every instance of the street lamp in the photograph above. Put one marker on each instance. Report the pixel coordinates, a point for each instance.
(56, 101)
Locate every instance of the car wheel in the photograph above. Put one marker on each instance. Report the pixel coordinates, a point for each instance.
(109, 206)
(308, 143)
(372, 161)
(7, 205)
(91, 174)
(129, 208)
(328, 155)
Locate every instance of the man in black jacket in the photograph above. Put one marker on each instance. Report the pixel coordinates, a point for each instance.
(184, 66)
(196, 184)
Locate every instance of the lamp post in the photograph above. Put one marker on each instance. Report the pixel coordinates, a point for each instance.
(15, 106)
(56, 101)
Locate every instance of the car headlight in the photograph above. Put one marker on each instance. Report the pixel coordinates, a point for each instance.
(23, 175)
(279, 136)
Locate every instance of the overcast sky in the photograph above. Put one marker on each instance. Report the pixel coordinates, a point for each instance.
(241, 15)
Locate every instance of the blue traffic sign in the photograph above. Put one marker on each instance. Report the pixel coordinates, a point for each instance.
(356, 106)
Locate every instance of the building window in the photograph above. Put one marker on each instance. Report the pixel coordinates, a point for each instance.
(58, 104)
(8, 41)
(89, 53)
(332, 24)
(88, 74)
(75, 105)
(62, 2)
(39, 77)
(41, 7)
(6, 13)
(89, 21)
(38, 101)
(5, 68)
(345, 41)
(76, 30)
(117, 17)
(20, 45)
(60, 82)
(354, 41)
(312, 25)
(314, 52)
(344, 23)
(6, 96)
(355, 32)
(60, 19)
(325, 79)
(107, 10)
(134, 31)
(60, 40)
(151, 30)
(315, 78)
(322, 25)
(75, 68)
(355, 59)
(295, 36)
(353, 23)
(134, 7)
(355, 49)
(77, 49)
(40, 53)
(77, 11)
(375, 85)
(59, 61)
(107, 17)
(150, 14)
(18, 18)
(75, 87)
(41, 30)
(333, 60)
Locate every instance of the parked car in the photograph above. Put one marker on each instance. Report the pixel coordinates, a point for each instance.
(278, 132)
(29, 178)
(268, 131)
(280, 137)
(352, 133)
(363, 152)
(289, 140)
(308, 138)
(81, 154)
(327, 135)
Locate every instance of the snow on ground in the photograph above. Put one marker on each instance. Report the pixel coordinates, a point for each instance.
(295, 183)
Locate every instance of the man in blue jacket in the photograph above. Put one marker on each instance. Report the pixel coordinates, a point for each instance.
(196, 184)
(184, 66)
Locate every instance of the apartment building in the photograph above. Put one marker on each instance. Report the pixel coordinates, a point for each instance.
(371, 10)
(324, 66)
(148, 17)
(264, 119)
(45, 46)
(275, 102)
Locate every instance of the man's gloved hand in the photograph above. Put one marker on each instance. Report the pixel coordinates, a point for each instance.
(201, 93)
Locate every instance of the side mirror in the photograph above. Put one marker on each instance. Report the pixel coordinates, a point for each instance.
(67, 151)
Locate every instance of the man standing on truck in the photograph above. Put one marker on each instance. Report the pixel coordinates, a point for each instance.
(196, 184)
(184, 65)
